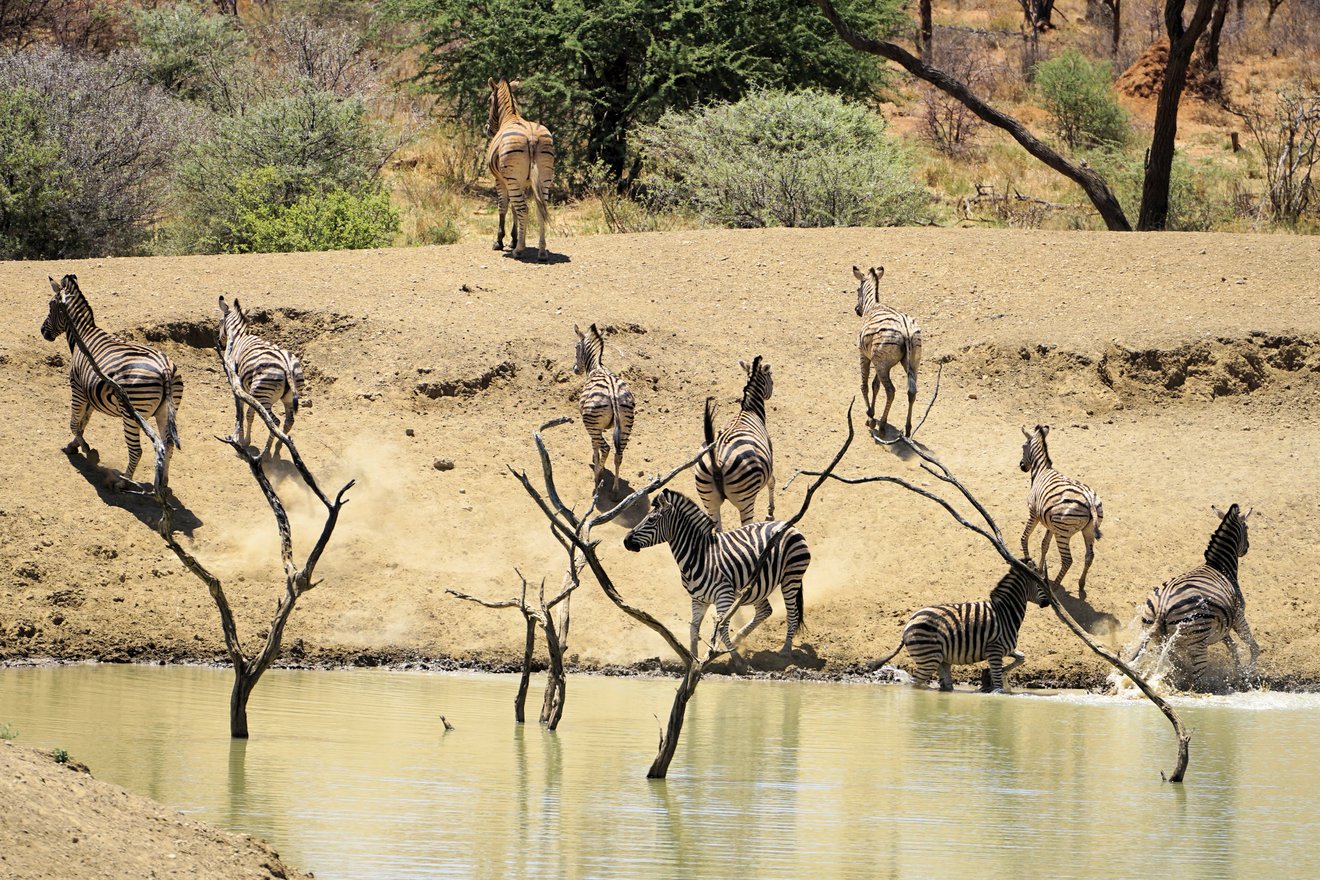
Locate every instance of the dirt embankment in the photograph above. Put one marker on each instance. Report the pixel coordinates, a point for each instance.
(60, 822)
(1178, 371)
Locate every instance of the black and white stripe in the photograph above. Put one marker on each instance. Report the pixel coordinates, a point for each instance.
(521, 157)
(717, 566)
(1203, 606)
(1064, 506)
(741, 461)
(888, 337)
(605, 402)
(943, 636)
(147, 376)
(266, 371)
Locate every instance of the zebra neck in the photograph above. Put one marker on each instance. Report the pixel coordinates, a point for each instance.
(693, 549)
(82, 320)
(1040, 465)
(1221, 555)
(1010, 608)
(754, 403)
(504, 99)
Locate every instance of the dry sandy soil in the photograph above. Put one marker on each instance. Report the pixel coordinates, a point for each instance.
(1178, 371)
(72, 826)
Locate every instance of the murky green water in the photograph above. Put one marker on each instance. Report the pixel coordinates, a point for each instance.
(350, 774)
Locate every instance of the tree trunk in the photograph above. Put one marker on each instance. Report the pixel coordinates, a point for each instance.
(1210, 50)
(1116, 26)
(927, 33)
(238, 700)
(1159, 163)
(520, 700)
(669, 739)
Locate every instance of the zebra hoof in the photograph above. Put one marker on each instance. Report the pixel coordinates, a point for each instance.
(542, 257)
(497, 246)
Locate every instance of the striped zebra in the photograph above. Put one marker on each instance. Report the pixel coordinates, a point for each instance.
(522, 160)
(887, 337)
(1203, 606)
(943, 636)
(605, 402)
(147, 376)
(266, 371)
(716, 566)
(1064, 506)
(742, 459)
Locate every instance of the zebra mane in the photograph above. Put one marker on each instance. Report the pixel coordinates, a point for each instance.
(751, 391)
(689, 511)
(74, 302)
(1039, 433)
(503, 91)
(1221, 551)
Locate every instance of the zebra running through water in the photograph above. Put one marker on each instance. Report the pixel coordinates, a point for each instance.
(888, 337)
(943, 636)
(521, 157)
(741, 461)
(147, 376)
(717, 566)
(1064, 506)
(1205, 605)
(266, 371)
(606, 403)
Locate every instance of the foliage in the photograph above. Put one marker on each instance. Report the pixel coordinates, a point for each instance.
(190, 53)
(1286, 129)
(594, 72)
(260, 177)
(92, 146)
(8, 731)
(1079, 96)
(781, 159)
(1192, 203)
(950, 127)
(60, 756)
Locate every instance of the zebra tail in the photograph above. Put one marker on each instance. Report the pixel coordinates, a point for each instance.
(1094, 504)
(171, 426)
(708, 426)
(876, 664)
(618, 424)
(534, 169)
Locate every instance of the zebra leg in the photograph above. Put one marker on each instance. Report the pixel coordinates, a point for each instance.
(710, 499)
(518, 201)
(722, 605)
(600, 452)
(1044, 549)
(1243, 629)
(883, 376)
(770, 492)
(133, 438)
(747, 511)
(1088, 535)
(78, 418)
(1026, 536)
(912, 396)
(694, 633)
(760, 614)
(618, 466)
(288, 423)
(162, 419)
(946, 676)
(1065, 561)
(501, 199)
(996, 662)
(792, 591)
(868, 390)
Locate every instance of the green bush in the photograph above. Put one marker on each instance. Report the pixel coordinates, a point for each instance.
(8, 731)
(1193, 205)
(190, 53)
(36, 184)
(781, 159)
(1079, 96)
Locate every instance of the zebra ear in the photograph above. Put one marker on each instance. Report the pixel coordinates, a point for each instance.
(596, 331)
(579, 333)
(1025, 432)
(53, 286)
(1247, 515)
(224, 307)
(490, 83)
(857, 273)
(746, 368)
(1044, 430)
(878, 272)
(1219, 513)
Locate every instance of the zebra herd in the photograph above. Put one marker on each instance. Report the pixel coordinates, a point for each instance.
(1186, 615)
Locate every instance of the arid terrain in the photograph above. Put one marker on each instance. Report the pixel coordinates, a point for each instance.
(1177, 370)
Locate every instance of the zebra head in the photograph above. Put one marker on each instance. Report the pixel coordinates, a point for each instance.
(760, 381)
(590, 349)
(494, 111)
(1034, 451)
(672, 514)
(1232, 531)
(55, 324)
(868, 287)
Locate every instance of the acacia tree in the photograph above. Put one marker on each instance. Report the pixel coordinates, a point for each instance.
(1159, 166)
(298, 579)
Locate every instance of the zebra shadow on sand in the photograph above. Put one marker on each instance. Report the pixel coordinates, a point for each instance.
(607, 496)
(529, 256)
(137, 501)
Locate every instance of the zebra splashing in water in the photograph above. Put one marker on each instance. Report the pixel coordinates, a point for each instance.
(888, 337)
(1064, 506)
(266, 371)
(1203, 606)
(742, 458)
(717, 566)
(605, 402)
(943, 636)
(147, 376)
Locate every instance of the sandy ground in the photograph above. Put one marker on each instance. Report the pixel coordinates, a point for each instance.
(1178, 371)
(72, 826)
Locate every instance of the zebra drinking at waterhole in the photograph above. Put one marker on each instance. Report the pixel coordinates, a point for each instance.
(606, 403)
(741, 460)
(521, 157)
(1064, 506)
(717, 566)
(943, 636)
(887, 337)
(1205, 605)
(266, 371)
(147, 376)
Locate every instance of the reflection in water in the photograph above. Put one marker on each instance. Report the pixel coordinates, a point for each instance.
(351, 774)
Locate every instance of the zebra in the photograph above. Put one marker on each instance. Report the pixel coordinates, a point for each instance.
(943, 636)
(1205, 605)
(1064, 506)
(741, 458)
(267, 372)
(887, 337)
(605, 402)
(717, 566)
(147, 376)
(521, 157)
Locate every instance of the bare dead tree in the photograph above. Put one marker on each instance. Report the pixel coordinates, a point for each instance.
(297, 579)
(576, 531)
(1286, 128)
(989, 530)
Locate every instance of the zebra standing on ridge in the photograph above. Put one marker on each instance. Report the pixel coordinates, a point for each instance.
(1203, 606)
(267, 372)
(1064, 506)
(717, 566)
(521, 157)
(742, 458)
(605, 402)
(887, 337)
(943, 636)
(147, 376)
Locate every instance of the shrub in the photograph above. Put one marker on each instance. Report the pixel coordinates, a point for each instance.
(1079, 96)
(60, 756)
(188, 52)
(8, 731)
(781, 159)
(1193, 206)
(90, 147)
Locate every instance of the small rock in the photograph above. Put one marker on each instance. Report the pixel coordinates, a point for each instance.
(444, 464)
(409, 432)
(971, 397)
(25, 631)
